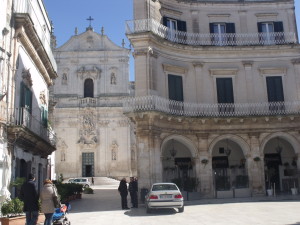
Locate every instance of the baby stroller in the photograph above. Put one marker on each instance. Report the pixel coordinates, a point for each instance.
(60, 215)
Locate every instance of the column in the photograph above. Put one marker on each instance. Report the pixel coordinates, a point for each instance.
(204, 167)
(255, 165)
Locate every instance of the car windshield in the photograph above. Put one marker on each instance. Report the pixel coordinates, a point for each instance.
(163, 187)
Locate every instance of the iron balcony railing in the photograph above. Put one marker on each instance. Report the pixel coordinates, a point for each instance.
(40, 20)
(198, 39)
(22, 117)
(159, 104)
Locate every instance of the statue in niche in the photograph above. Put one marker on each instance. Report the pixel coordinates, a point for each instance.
(114, 155)
(113, 79)
(64, 80)
(114, 149)
(63, 156)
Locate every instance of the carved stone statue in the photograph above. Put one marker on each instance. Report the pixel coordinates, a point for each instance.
(64, 80)
(113, 79)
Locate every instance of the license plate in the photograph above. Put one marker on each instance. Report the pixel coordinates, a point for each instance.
(165, 196)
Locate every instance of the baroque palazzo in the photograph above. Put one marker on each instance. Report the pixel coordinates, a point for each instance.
(95, 138)
(217, 92)
(27, 71)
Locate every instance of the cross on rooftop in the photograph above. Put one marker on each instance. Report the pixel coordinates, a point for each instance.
(90, 19)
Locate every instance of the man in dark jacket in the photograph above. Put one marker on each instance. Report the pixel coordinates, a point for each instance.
(133, 190)
(123, 192)
(30, 198)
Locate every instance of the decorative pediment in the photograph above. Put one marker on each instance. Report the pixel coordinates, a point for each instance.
(86, 72)
(223, 71)
(272, 71)
(174, 69)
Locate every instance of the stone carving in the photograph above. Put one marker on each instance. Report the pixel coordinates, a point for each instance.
(61, 144)
(113, 79)
(93, 72)
(114, 150)
(87, 133)
(26, 75)
(43, 97)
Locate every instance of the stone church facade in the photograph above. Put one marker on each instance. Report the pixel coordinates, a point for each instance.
(217, 93)
(95, 138)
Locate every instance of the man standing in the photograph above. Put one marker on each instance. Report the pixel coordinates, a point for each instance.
(30, 198)
(135, 192)
(131, 191)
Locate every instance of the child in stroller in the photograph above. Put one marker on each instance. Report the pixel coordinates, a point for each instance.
(59, 216)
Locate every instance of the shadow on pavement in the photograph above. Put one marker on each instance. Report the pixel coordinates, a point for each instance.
(141, 211)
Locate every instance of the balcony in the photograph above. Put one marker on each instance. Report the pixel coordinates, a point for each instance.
(197, 39)
(24, 11)
(159, 104)
(24, 126)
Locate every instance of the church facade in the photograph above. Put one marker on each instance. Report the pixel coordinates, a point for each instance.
(95, 138)
(216, 103)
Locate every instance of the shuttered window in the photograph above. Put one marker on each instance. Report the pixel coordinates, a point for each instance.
(225, 90)
(25, 97)
(271, 32)
(175, 88)
(275, 90)
(221, 33)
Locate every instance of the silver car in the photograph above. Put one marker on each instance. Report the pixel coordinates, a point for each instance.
(84, 181)
(164, 195)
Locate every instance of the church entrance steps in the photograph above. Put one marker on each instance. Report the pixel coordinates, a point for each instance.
(105, 181)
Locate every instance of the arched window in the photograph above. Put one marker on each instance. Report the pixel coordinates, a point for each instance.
(88, 88)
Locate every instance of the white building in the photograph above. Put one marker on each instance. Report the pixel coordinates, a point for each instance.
(27, 69)
(217, 95)
(95, 138)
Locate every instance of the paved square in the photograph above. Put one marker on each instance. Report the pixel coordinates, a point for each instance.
(104, 207)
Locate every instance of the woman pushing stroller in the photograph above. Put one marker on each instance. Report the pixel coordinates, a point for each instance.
(47, 204)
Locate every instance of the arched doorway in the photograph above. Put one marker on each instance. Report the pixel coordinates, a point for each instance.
(178, 165)
(229, 169)
(280, 165)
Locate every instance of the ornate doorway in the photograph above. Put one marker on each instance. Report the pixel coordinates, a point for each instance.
(88, 164)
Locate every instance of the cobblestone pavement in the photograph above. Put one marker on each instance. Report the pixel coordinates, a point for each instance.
(104, 208)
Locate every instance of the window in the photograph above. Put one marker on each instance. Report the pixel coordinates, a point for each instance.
(275, 93)
(175, 93)
(225, 95)
(222, 33)
(88, 88)
(175, 88)
(26, 98)
(44, 116)
(271, 32)
(175, 26)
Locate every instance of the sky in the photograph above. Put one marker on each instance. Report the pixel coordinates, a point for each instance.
(110, 14)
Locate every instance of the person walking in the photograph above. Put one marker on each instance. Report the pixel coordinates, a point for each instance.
(29, 196)
(92, 180)
(47, 205)
(123, 192)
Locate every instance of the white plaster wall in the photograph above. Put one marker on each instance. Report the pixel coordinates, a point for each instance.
(38, 83)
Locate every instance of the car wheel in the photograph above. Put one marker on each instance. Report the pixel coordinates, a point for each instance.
(86, 186)
(181, 209)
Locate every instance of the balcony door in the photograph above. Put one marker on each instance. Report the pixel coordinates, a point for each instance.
(271, 32)
(275, 93)
(225, 95)
(175, 93)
